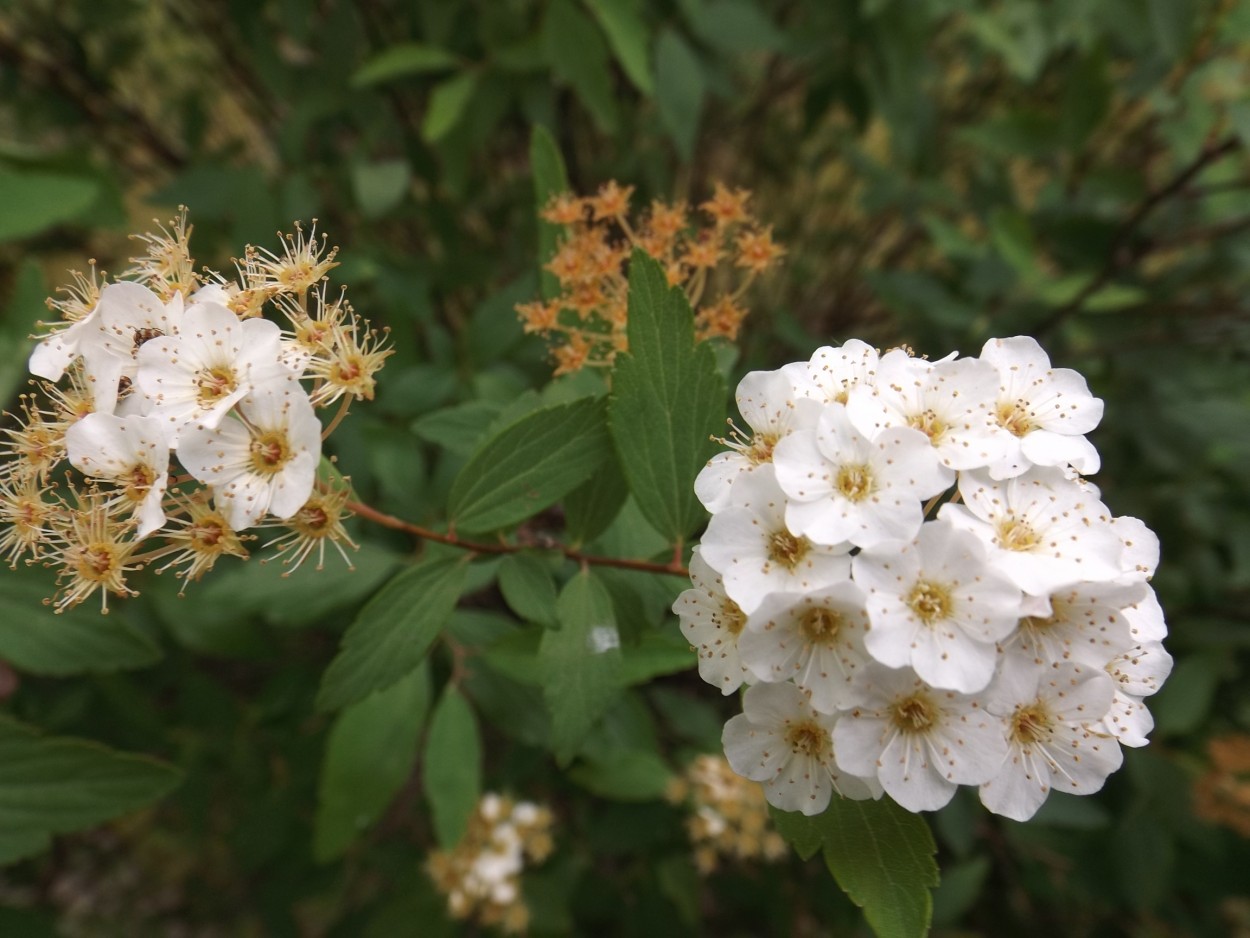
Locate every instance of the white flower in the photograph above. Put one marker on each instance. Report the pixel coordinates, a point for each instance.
(1042, 530)
(1052, 725)
(921, 743)
(937, 607)
(1082, 624)
(842, 487)
(1145, 619)
(770, 408)
(1046, 410)
(1141, 549)
(132, 452)
(833, 371)
(779, 740)
(1137, 673)
(712, 623)
(816, 638)
(266, 464)
(212, 364)
(950, 402)
(749, 545)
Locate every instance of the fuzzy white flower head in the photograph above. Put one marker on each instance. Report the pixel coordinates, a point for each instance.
(920, 742)
(936, 607)
(132, 452)
(1051, 721)
(215, 361)
(712, 624)
(771, 409)
(781, 741)
(1047, 411)
(267, 464)
(1042, 530)
(834, 371)
(843, 487)
(816, 639)
(749, 545)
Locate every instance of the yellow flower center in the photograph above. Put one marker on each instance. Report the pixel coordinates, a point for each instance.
(269, 453)
(1031, 723)
(808, 738)
(139, 482)
(854, 482)
(929, 424)
(214, 384)
(732, 616)
(913, 714)
(821, 626)
(1015, 534)
(930, 601)
(786, 550)
(1015, 418)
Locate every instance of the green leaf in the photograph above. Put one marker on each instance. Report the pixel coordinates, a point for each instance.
(380, 186)
(528, 588)
(36, 640)
(591, 507)
(448, 102)
(54, 785)
(452, 767)
(407, 58)
(24, 308)
(369, 755)
(657, 654)
(627, 35)
(393, 633)
(34, 201)
(632, 775)
(458, 428)
(667, 400)
(581, 663)
(529, 465)
(805, 834)
(681, 87)
(550, 179)
(736, 26)
(577, 54)
(882, 857)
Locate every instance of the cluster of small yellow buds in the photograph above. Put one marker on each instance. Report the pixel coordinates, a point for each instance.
(714, 256)
(185, 417)
(1222, 795)
(481, 876)
(729, 815)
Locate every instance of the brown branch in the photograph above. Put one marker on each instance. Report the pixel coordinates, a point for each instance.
(1118, 255)
(478, 547)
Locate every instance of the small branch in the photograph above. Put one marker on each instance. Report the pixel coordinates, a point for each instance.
(478, 547)
(1117, 255)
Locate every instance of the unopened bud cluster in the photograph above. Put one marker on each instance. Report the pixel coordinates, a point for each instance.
(729, 817)
(481, 876)
(188, 416)
(714, 257)
(908, 570)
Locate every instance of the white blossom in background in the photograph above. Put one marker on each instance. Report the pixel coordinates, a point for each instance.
(772, 411)
(712, 623)
(781, 741)
(925, 576)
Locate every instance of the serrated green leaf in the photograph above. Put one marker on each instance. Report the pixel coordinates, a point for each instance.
(632, 775)
(370, 753)
(882, 857)
(667, 400)
(34, 201)
(448, 103)
(628, 36)
(393, 633)
(805, 834)
(656, 654)
(550, 179)
(52, 785)
(581, 663)
(528, 588)
(406, 58)
(458, 428)
(577, 54)
(591, 507)
(680, 90)
(529, 465)
(36, 640)
(452, 767)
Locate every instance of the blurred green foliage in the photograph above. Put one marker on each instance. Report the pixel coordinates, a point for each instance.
(940, 171)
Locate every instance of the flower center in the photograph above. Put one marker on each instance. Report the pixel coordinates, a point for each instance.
(269, 453)
(97, 562)
(808, 738)
(1015, 534)
(930, 601)
(761, 450)
(139, 482)
(928, 423)
(821, 626)
(732, 617)
(786, 550)
(206, 534)
(1031, 723)
(913, 714)
(1014, 417)
(214, 384)
(854, 482)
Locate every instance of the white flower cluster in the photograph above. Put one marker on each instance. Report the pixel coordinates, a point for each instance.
(920, 590)
(175, 369)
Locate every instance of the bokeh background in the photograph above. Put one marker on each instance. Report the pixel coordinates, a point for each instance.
(939, 171)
